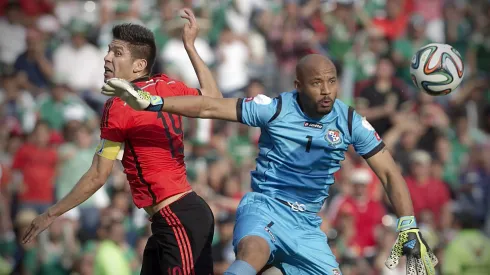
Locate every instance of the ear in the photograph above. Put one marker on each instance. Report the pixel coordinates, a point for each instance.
(139, 65)
(297, 84)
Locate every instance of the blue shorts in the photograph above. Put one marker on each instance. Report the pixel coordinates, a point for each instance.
(297, 244)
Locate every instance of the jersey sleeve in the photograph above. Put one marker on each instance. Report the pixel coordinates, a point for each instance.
(113, 122)
(258, 111)
(365, 139)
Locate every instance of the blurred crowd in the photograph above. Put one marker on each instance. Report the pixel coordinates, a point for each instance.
(51, 70)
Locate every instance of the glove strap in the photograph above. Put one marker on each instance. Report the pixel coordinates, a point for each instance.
(405, 222)
(156, 104)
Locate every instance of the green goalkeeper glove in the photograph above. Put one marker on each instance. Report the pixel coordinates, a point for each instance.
(420, 259)
(135, 97)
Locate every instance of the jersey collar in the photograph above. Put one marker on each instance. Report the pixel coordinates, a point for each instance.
(141, 79)
(325, 119)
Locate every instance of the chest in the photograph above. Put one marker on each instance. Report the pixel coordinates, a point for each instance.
(312, 142)
(37, 159)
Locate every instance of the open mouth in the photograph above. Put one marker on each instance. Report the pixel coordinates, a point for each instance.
(325, 103)
(107, 71)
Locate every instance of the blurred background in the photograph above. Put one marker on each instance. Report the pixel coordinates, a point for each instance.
(51, 55)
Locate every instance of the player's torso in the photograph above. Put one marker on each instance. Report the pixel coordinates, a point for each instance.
(154, 140)
(301, 148)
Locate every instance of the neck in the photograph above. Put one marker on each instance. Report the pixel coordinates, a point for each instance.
(421, 179)
(142, 76)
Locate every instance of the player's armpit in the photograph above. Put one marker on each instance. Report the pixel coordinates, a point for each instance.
(202, 107)
(108, 149)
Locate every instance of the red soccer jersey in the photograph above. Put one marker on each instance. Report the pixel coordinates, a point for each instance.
(153, 142)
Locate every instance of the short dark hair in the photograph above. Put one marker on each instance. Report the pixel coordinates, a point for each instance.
(141, 42)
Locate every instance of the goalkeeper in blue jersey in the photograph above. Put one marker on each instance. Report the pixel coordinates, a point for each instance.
(305, 134)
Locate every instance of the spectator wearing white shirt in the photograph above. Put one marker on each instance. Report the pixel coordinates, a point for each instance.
(232, 69)
(13, 42)
(81, 64)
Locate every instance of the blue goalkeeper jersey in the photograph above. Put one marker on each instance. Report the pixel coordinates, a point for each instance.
(298, 155)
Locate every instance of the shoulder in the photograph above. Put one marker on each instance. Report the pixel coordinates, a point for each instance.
(163, 85)
(342, 110)
(113, 103)
(114, 109)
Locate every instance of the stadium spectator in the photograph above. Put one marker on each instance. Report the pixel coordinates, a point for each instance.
(35, 167)
(35, 63)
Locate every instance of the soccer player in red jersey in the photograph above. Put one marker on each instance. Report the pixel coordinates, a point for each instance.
(153, 159)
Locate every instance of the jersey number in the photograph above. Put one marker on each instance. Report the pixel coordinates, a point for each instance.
(176, 129)
(308, 145)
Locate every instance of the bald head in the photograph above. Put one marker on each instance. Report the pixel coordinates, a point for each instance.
(316, 84)
(313, 63)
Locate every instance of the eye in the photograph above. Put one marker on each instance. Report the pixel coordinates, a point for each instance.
(333, 80)
(118, 53)
(316, 83)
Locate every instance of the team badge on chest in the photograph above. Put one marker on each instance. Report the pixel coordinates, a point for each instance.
(333, 137)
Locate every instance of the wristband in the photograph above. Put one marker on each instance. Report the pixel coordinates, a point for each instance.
(405, 222)
(156, 104)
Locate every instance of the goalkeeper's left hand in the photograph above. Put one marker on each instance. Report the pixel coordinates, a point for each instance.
(135, 97)
(420, 259)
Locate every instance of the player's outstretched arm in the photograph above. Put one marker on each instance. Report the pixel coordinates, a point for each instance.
(202, 107)
(420, 259)
(90, 182)
(204, 74)
(190, 106)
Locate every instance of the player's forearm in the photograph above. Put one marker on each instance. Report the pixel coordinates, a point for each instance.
(201, 107)
(204, 74)
(397, 191)
(393, 182)
(84, 189)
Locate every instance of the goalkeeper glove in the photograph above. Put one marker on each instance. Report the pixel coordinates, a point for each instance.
(420, 259)
(135, 97)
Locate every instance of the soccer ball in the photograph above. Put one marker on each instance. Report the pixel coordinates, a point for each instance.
(437, 69)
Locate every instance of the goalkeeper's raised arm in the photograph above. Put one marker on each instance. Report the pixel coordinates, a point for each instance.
(190, 106)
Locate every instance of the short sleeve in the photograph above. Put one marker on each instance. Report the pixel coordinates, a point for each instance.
(113, 122)
(258, 111)
(365, 140)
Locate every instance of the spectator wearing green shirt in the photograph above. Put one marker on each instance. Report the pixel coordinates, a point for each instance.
(75, 159)
(469, 252)
(110, 257)
(62, 105)
(405, 47)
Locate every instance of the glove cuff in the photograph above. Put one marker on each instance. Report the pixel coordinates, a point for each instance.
(156, 104)
(405, 222)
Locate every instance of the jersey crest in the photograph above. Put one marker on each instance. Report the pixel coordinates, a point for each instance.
(333, 137)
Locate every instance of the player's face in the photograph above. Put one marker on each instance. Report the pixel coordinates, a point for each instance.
(319, 88)
(118, 61)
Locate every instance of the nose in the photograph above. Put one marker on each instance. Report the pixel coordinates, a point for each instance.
(108, 57)
(324, 89)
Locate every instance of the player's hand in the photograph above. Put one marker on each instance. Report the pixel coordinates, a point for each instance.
(38, 225)
(131, 94)
(420, 259)
(191, 29)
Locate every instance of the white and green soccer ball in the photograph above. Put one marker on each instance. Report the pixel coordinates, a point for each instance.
(437, 69)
